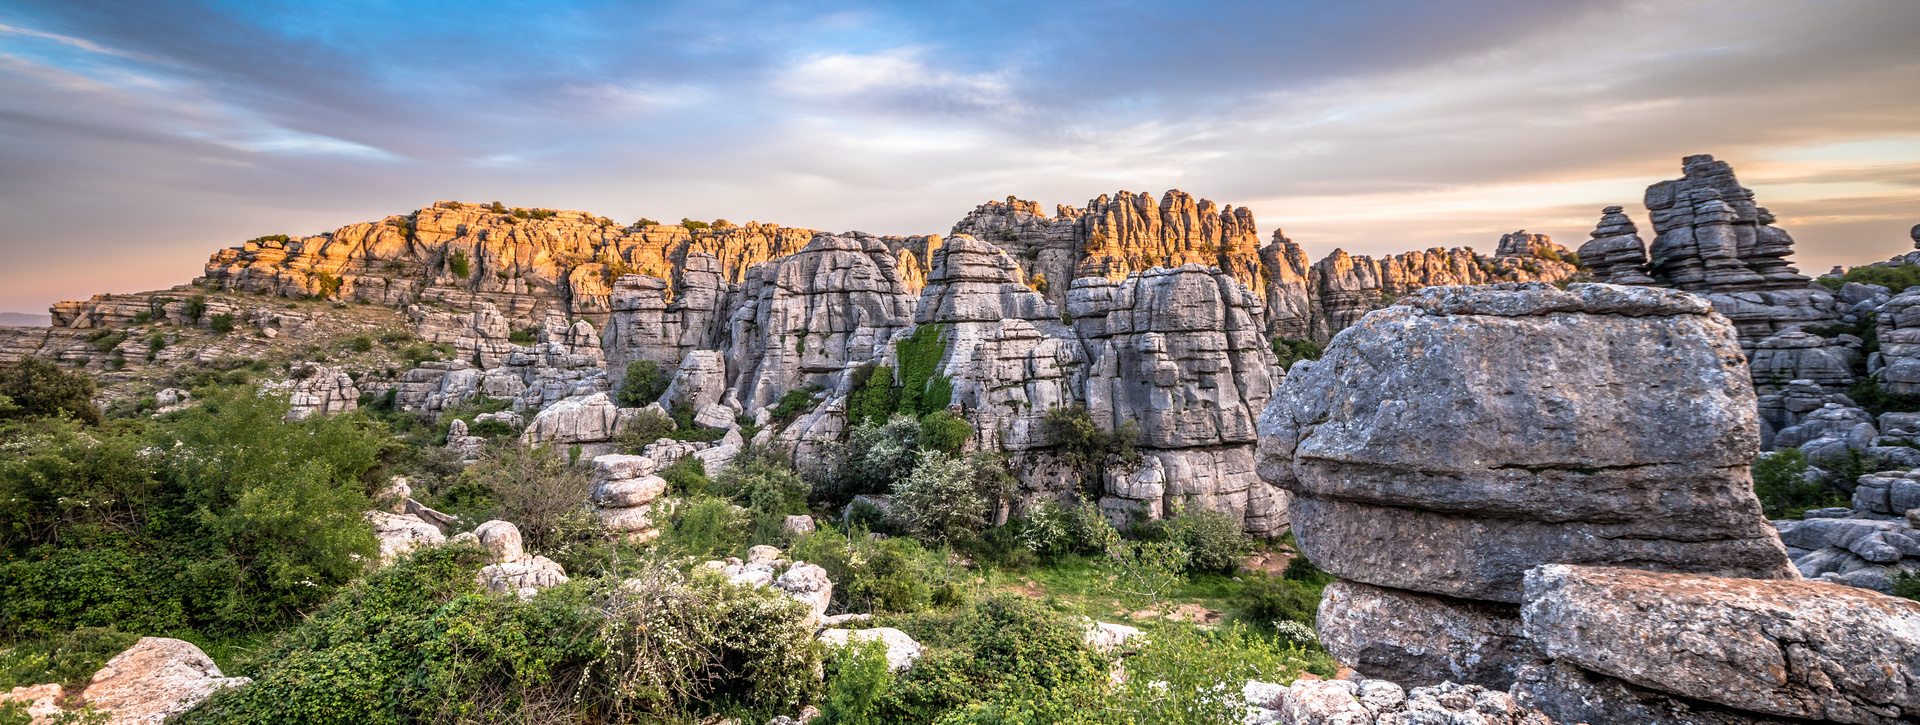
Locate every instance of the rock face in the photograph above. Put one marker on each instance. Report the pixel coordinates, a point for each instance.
(591, 421)
(1710, 238)
(1182, 356)
(1613, 425)
(319, 390)
(1867, 546)
(1373, 628)
(1807, 650)
(1898, 328)
(401, 533)
(155, 679)
(835, 303)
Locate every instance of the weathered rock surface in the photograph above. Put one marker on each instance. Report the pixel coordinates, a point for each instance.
(624, 489)
(1572, 695)
(1614, 425)
(400, 534)
(514, 571)
(317, 390)
(40, 702)
(155, 679)
(1615, 253)
(1419, 639)
(1712, 239)
(1380, 702)
(1785, 648)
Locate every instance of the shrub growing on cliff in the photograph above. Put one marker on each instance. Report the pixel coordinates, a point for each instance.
(644, 383)
(221, 323)
(1081, 443)
(1781, 484)
(1895, 278)
(457, 264)
(1291, 351)
(922, 389)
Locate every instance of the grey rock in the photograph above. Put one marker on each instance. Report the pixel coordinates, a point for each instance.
(1417, 639)
(1612, 425)
(1571, 695)
(1785, 648)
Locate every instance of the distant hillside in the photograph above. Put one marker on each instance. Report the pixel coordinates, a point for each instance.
(26, 319)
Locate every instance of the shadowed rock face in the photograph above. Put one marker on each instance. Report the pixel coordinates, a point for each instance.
(1450, 443)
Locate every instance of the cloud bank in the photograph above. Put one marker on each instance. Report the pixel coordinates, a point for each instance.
(138, 137)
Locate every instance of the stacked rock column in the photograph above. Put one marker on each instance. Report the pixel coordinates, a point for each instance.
(1444, 446)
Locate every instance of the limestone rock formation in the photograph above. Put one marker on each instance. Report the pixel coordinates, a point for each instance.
(765, 566)
(624, 489)
(1807, 650)
(41, 703)
(1615, 253)
(155, 679)
(590, 421)
(1522, 244)
(1712, 239)
(400, 533)
(1612, 425)
(1898, 329)
(1010, 357)
(1182, 356)
(1867, 546)
(822, 310)
(318, 390)
(514, 571)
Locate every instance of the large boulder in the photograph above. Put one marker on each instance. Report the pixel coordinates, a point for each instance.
(399, 534)
(1792, 649)
(155, 679)
(1608, 425)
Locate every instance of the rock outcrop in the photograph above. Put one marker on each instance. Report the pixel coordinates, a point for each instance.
(1380, 702)
(1622, 639)
(155, 679)
(1181, 357)
(902, 651)
(1615, 253)
(624, 489)
(513, 570)
(1711, 239)
(1613, 425)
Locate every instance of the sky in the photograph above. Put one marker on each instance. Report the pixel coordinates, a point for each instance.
(137, 138)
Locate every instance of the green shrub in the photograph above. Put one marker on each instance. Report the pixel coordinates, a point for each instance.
(686, 477)
(1896, 278)
(1144, 571)
(69, 658)
(1291, 351)
(1868, 393)
(38, 388)
(643, 384)
(795, 402)
(105, 340)
(1779, 481)
(417, 643)
(1081, 443)
(686, 430)
(941, 431)
(1005, 646)
(645, 222)
(1906, 585)
(873, 458)
(704, 527)
(873, 396)
(886, 575)
(195, 309)
(923, 390)
(538, 491)
(759, 479)
(457, 263)
(527, 337)
(1267, 599)
(1214, 541)
(857, 675)
(223, 518)
(692, 225)
(221, 323)
(329, 285)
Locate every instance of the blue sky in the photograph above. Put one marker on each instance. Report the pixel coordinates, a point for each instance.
(138, 137)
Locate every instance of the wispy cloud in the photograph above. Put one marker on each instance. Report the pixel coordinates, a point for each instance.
(174, 127)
